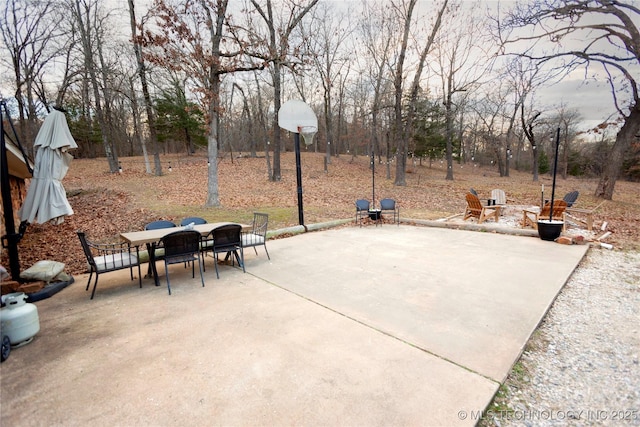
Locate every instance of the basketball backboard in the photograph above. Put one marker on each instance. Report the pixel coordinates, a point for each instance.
(295, 114)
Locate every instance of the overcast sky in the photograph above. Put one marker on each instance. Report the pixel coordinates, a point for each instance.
(592, 99)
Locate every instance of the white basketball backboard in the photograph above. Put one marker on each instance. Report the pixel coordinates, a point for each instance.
(295, 114)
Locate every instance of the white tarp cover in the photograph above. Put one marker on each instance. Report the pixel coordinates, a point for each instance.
(46, 198)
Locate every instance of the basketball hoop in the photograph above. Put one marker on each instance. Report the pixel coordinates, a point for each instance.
(307, 133)
(297, 117)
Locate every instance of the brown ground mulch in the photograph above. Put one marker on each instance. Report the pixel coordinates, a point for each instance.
(107, 204)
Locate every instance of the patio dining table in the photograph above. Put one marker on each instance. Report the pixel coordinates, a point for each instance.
(151, 237)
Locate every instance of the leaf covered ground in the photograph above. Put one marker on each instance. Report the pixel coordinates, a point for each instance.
(107, 204)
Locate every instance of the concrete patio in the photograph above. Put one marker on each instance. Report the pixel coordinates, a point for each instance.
(390, 325)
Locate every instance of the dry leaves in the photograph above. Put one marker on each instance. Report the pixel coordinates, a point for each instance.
(107, 204)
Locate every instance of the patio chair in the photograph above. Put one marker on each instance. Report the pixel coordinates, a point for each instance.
(571, 198)
(192, 219)
(106, 257)
(158, 253)
(499, 196)
(226, 239)
(181, 246)
(195, 220)
(390, 207)
(475, 209)
(155, 225)
(530, 216)
(257, 236)
(362, 210)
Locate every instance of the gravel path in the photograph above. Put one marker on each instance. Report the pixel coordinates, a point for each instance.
(582, 365)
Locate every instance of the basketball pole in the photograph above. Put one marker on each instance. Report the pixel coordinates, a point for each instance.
(298, 118)
(296, 138)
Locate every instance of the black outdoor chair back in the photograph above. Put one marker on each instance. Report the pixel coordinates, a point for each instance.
(362, 210)
(226, 239)
(571, 198)
(156, 225)
(192, 219)
(257, 236)
(106, 257)
(181, 247)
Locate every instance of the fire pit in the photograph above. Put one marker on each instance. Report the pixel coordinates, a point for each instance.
(374, 214)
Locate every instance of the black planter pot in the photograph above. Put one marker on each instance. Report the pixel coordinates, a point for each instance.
(549, 230)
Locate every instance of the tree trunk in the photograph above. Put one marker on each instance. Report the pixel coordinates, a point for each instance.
(449, 132)
(536, 156)
(82, 11)
(399, 132)
(277, 173)
(147, 97)
(137, 128)
(213, 192)
(627, 134)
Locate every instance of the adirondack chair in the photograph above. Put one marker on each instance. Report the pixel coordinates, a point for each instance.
(475, 209)
(530, 216)
(499, 196)
(571, 198)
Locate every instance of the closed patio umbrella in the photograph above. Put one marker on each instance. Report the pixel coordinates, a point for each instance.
(46, 198)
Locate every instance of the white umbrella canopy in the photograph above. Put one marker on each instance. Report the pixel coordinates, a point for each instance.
(46, 198)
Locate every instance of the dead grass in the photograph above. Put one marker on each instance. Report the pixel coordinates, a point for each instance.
(106, 204)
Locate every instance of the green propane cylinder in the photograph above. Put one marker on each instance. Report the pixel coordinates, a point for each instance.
(19, 319)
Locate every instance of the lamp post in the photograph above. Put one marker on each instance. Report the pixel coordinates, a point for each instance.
(297, 117)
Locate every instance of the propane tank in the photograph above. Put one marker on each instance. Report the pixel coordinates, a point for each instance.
(19, 319)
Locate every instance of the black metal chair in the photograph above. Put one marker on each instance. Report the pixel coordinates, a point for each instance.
(390, 207)
(181, 247)
(571, 198)
(192, 219)
(106, 257)
(156, 225)
(362, 210)
(257, 236)
(226, 239)
(155, 253)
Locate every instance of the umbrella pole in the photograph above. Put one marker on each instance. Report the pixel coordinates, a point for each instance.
(373, 179)
(11, 239)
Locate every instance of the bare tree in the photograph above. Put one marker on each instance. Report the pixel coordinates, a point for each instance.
(414, 91)
(88, 20)
(142, 74)
(378, 37)
(29, 33)
(567, 120)
(399, 131)
(281, 53)
(595, 33)
(528, 126)
(461, 63)
(490, 109)
(524, 77)
(198, 38)
(325, 39)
